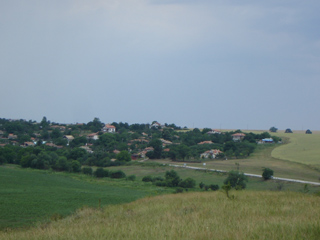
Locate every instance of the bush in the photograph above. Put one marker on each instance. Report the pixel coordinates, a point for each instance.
(117, 174)
(76, 166)
(147, 179)
(100, 173)
(187, 183)
(87, 170)
(201, 185)
(236, 179)
(131, 178)
(267, 173)
(214, 187)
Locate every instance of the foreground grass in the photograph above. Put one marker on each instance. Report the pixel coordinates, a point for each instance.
(210, 215)
(27, 196)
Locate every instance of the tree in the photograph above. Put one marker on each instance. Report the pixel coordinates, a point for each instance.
(100, 173)
(172, 178)
(124, 156)
(236, 179)
(288, 130)
(273, 129)
(76, 166)
(267, 173)
(187, 183)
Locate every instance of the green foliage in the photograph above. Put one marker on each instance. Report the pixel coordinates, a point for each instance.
(227, 188)
(124, 156)
(147, 179)
(201, 185)
(236, 180)
(87, 170)
(187, 183)
(214, 187)
(117, 174)
(101, 173)
(172, 178)
(76, 166)
(273, 129)
(267, 173)
(131, 178)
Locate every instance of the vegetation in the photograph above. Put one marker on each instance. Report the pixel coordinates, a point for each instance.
(206, 215)
(267, 173)
(236, 180)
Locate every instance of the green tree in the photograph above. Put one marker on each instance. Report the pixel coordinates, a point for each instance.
(187, 183)
(267, 173)
(124, 156)
(273, 129)
(76, 166)
(236, 179)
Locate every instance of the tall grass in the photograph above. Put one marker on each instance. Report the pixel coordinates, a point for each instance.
(210, 215)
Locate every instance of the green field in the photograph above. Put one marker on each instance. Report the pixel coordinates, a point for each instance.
(28, 196)
(302, 148)
(207, 215)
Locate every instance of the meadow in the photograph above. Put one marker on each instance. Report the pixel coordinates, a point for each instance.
(207, 215)
(28, 196)
(301, 148)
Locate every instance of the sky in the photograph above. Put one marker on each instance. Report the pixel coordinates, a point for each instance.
(198, 63)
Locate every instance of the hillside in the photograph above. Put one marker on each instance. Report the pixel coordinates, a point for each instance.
(211, 215)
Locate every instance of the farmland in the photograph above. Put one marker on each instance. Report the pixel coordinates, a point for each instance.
(209, 215)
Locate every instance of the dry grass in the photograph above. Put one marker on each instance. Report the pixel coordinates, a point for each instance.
(302, 148)
(251, 215)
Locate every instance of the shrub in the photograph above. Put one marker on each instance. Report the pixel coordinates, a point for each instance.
(131, 178)
(100, 173)
(179, 190)
(201, 185)
(76, 166)
(267, 173)
(117, 174)
(214, 187)
(147, 179)
(187, 183)
(236, 179)
(87, 170)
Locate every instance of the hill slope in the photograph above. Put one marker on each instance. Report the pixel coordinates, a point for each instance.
(210, 215)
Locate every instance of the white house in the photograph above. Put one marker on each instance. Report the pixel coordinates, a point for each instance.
(109, 128)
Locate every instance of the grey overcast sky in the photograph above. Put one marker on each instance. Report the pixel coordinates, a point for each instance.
(196, 63)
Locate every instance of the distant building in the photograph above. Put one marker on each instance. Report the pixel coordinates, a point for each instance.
(109, 128)
(211, 153)
(238, 136)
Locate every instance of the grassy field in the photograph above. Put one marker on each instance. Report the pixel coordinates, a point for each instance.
(302, 148)
(207, 215)
(28, 196)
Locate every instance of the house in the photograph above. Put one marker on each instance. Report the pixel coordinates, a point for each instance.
(1, 132)
(214, 131)
(116, 151)
(12, 136)
(155, 125)
(68, 137)
(61, 128)
(213, 153)
(165, 142)
(89, 150)
(93, 136)
(205, 142)
(238, 136)
(53, 145)
(267, 140)
(109, 128)
(28, 144)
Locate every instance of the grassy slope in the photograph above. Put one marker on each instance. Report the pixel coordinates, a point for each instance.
(302, 148)
(29, 195)
(251, 215)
